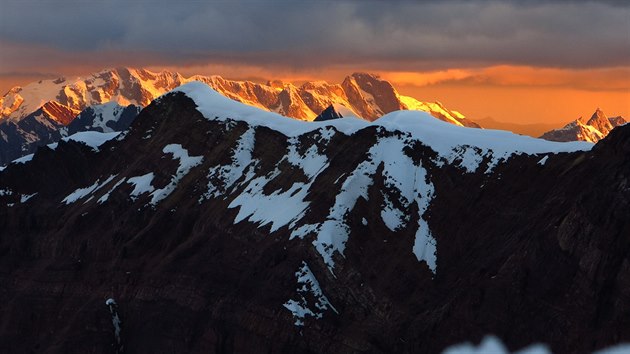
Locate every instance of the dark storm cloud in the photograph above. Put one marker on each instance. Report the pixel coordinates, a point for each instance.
(379, 34)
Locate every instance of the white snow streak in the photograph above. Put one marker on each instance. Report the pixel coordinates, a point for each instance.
(223, 177)
(83, 192)
(302, 307)
(105, 196)
(91, 138)
(25, 197)
(186, 163)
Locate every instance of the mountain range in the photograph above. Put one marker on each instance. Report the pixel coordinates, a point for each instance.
(36, 114)
(214, 226)
(42, 112)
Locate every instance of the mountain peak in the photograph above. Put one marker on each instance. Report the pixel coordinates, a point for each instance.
(598, 113)
(329, 113)
(593, 130)
(335, 111)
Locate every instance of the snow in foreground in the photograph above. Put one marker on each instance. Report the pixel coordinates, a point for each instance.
(492, 345)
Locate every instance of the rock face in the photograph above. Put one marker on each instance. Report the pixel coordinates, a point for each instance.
(217, 227)
(593, 130)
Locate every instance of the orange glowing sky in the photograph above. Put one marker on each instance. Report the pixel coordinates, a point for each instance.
(524, 62)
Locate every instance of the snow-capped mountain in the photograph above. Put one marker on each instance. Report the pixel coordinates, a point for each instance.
(124, 86)
(104, 118)
(366, 94)
(52, 121)
(593, 130)
(57, 102)
(252, 232)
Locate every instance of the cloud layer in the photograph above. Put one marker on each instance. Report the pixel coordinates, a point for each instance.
(377, 35)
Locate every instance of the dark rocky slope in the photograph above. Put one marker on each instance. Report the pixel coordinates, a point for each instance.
(530, 252)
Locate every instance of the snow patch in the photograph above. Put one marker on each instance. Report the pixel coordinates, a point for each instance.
(311, 300)
(25, 197)
(24, 159)
(83, 192)
(222, 178)
(142, 184)
(186, 163)
(116, 322)
(105, 196)
(278, 208)
(91, 138)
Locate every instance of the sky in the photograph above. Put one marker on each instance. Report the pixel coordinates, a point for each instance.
(514, 61)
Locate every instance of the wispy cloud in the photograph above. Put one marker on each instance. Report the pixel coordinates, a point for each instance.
(600, 79)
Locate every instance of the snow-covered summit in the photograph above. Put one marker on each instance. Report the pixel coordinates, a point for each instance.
(452, 142)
